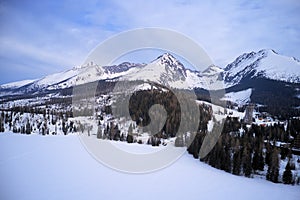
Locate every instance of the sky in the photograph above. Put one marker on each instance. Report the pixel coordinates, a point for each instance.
(43, 37)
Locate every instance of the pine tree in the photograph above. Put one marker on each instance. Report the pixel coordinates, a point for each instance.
(53, 120)
(226, 163)
(237, 162)
(117, 133)
(105, 132)
(268, 154)
(149, 141)
(258, 161)
(99, 132)
(194, 147)
(255, 161)
(273, 169)
(64, 127)
(130, 130)
(111, 131)
(6, 118)
(246, 160)
(122, 137)
(216, 155)
(1, 125)
(15, 130)
(129, 138)
(28, 127)
(287, 177)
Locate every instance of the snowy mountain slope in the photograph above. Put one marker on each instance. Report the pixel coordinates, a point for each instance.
(169, 72)
(57, 78)
(264, 63)
(123, 67)
(53, 81)
(78, 75)
(241, 97)
(211, 78)
(16, 84)
(165, 70)
(96, 73)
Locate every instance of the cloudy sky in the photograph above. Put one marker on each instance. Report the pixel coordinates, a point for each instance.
(42, 37)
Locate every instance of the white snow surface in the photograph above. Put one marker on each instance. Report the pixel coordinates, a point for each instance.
(240, 97)
(57, 78)
(219, 113)
(17, 84)
(58, 167)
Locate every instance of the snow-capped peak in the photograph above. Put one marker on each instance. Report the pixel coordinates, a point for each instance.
(266, 63)
(170, 72)
(165, 70)
(168, 60)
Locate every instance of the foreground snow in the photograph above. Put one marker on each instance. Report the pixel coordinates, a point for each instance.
(58, 167)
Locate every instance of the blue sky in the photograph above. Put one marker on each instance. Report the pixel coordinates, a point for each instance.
(42, 37)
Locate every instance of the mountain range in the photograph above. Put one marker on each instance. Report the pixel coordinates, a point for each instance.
(274, 79)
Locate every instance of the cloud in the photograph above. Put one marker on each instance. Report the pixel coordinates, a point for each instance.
(47, 41)
(224, 28)
(60, 34)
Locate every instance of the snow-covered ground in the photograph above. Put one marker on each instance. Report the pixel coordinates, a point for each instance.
(240, 97)
(58, 167)
(219, 112)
